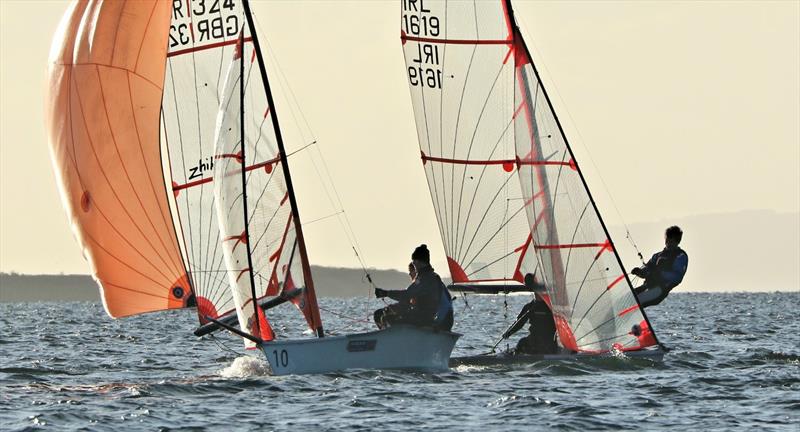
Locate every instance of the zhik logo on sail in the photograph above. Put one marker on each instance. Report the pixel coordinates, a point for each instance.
(203, 165)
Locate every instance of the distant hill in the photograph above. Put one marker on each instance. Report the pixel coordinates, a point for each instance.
(744, 251)
(330, 282)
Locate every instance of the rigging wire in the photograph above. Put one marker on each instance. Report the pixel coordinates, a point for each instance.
(347, 227)
(327, 180)
(345, 316)
(222, 346)
(301, 148)
(581, 140)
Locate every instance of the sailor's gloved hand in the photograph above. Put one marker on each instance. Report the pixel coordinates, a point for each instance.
(637, 272)
(380, 293)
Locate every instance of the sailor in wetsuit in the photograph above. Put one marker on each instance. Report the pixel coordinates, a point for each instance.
(541, 338)
(664, 271)
(426, 302)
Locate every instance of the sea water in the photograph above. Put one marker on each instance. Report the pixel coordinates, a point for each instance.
(734, 364)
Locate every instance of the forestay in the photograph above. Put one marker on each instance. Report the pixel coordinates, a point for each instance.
(509, 196)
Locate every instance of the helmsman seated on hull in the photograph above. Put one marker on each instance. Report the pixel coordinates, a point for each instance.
(425, 303)
(541, 338)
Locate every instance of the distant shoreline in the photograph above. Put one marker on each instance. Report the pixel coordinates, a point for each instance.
(338, 283)
(331, 282)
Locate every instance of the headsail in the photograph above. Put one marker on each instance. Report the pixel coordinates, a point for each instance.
(479, 106)
(105, 87)
(257, 217)
(202, 38)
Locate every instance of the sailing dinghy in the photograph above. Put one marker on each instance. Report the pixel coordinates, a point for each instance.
(171, 165)
(509, 196)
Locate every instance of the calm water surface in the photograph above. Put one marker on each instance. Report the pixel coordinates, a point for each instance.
(734, 364)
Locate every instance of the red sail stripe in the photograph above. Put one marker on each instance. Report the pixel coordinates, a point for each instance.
(606, 247)
(529, 201)
(243, 271)
(541, 162)
(426, 158)
(519, 108)
(517, 161)
(570, 246)
(206, 47)
(405, 38)
(241, 238)
(525, 245)
(277, 253)
(176, 187)
(524, 248)
(229, 156)
(616, 281)
(628, 310)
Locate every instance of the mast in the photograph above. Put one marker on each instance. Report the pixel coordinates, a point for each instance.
(312, 296)
(243, 161)
(518, 34)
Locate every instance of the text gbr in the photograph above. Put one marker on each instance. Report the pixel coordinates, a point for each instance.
(201, 21)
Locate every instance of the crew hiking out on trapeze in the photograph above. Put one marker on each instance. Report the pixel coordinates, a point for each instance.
(425, 303)
(664, 271)
(541, 338)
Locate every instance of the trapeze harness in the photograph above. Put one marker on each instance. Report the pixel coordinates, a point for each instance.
(655, 288)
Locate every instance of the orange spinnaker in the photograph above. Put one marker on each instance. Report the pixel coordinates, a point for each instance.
(105, 80)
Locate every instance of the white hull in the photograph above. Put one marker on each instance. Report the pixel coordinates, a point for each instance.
(398, 347)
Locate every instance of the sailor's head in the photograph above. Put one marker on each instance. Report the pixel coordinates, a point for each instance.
(421, 256)
(673, 236)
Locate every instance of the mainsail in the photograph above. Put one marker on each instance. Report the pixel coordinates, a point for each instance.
(202, 38)
(136, 91)
(263, 250)
(509, 196)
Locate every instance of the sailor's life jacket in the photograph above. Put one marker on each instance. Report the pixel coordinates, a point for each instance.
(444, 314)
(427, 300)
(666, 268)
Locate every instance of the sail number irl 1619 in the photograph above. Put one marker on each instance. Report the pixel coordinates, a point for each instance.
(424, 68)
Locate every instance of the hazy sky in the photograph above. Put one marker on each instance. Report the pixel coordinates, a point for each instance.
(685, 108)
